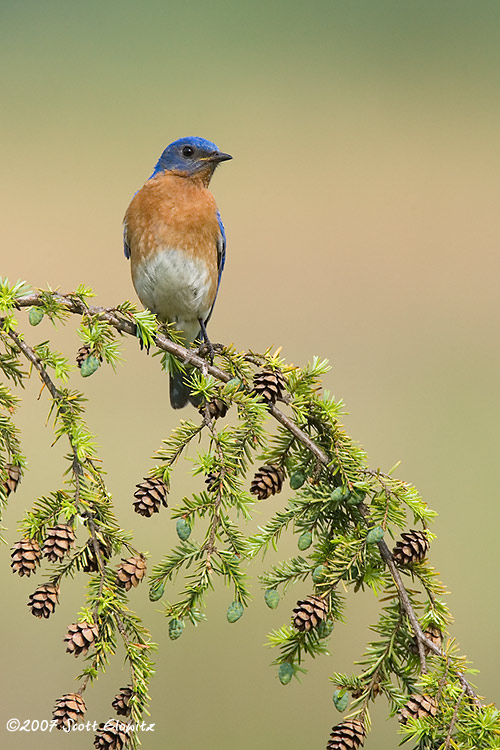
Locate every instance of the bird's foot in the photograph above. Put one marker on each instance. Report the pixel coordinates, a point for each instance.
(207, 349)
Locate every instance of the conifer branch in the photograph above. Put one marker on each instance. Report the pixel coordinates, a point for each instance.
(190, 356)
(78, 469)
(341, 507)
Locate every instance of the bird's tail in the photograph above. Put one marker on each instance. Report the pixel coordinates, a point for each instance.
(179, 391)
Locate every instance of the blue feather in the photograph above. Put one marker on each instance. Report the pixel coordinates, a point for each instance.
(221, 248)
(221, 259)
(172, 157)
(126, 246)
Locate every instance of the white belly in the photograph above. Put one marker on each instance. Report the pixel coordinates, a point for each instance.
(176, 287)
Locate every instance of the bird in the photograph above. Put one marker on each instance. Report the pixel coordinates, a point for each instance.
(175, 240)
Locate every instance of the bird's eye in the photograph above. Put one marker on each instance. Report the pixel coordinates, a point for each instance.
(188, 151)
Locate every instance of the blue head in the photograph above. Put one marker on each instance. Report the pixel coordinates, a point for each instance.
(191, 156)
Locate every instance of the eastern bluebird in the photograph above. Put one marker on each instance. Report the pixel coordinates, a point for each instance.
(175, 239)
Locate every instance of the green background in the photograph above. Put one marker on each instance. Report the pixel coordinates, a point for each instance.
(362, 217)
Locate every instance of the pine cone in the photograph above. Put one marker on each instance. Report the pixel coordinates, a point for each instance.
(376, 689)
(418, 707)
(69, 709)
(82, 354)
(217, 408)
(44, 599)
(91, 564)
(433, 633)
(121, 701)
(12, 477)
(80, 637)
(212, 481)
(150, 494)
(131, 572)
(59, 541)
(269, 385)
(25, 556)
(309, 613)
(267, 481)
(109, 736)
(411, 548)
(349, 735)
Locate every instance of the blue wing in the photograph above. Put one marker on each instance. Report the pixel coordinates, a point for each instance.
(126, 246)
(221, 248)
(221, 259)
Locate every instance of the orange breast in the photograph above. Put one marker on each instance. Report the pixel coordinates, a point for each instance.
(176, 212)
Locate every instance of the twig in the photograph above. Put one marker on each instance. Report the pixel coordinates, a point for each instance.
(210, 545)
(36, 362)
(453, 720)
(376, 673)
(386, 555)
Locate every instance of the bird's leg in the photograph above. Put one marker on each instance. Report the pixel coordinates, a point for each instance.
(207, 341)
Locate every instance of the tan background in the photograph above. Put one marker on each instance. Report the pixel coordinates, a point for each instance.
(362, 217)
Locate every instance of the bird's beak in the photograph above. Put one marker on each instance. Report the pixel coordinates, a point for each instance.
(218, 156)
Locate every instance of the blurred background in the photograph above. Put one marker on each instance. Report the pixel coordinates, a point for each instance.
(361, 210)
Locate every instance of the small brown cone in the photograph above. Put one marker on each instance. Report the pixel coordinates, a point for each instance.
(58, 542)
(434, 634)
(80, 637)
(411, 548)
(309, 613)
(91, 564)
(11, 478)
(43, 600)
(269, 385)
(150, 494)
(212, 481)
(349, 735)
(82, 354)
(376, 689)
(25, 556)
(121, 701)
(267, 481)
(418, 707)
(69, 710)
(110, 736)
(217, 408)
(131, 572)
